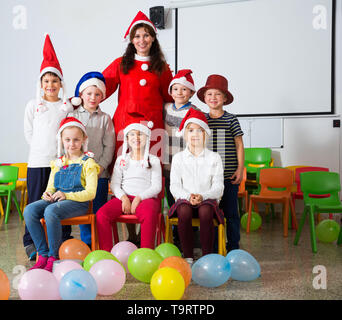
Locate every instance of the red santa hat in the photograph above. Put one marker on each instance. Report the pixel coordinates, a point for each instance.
(50, 64)
(193, 116)
(139, 18)
(70, 122)
(144, 127)
(183, 77)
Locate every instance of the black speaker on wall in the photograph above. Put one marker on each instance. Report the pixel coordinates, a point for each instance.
(157, 16)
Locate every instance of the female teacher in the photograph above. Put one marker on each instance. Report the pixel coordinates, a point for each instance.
(143, 77)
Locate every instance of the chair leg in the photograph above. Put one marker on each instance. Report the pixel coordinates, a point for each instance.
(93, 233)
(300, 227)
(312, 230)
(249, 218)
(8, 206)
(339, 240)
(17, 205)
(293, 215)
(219, 239)
(115, 232)
(1, 207)
(286, 218)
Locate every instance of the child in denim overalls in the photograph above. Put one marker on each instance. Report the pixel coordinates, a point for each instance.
(72, 184)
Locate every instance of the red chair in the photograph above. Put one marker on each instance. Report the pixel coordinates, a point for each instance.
(298, 194)
(132, 218)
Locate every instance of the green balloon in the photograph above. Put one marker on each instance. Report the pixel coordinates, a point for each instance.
(96, 256)
(327, 230)
(168, 250)
(142, 263)
(255, 221)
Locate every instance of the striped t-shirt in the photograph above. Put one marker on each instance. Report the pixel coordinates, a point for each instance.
(223, 131)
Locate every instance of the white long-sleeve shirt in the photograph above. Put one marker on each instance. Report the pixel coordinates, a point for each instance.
(40, 130)
(136, 180)
(202, 174)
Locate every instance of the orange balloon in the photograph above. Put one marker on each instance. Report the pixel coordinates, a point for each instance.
(73, 249)
(180, 265)
(4, 286)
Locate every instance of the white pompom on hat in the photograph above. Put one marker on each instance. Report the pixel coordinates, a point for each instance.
(144, 127)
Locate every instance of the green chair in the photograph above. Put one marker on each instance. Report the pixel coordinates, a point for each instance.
(8, 179)
(319, 183)
(256, 158)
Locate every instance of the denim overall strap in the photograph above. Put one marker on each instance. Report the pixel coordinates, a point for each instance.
(68, 178)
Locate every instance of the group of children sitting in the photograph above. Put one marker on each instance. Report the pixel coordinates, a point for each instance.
(206, 156)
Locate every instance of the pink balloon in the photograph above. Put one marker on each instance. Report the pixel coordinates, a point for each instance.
(122, 251)
(60, 269)
(109, 275)
(38, 284)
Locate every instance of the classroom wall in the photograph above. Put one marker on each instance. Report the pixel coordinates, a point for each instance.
(307, 140)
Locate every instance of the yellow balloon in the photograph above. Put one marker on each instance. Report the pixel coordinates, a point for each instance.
(167, 284)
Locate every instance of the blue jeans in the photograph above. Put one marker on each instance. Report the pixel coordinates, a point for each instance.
(100, 199)
(53, 213)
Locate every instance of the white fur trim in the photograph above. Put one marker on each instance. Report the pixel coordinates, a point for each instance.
(141, 58)
(139, 127)
(199, 122)
(141, 21)
(183, 82)
(51, 69)
(94, 82)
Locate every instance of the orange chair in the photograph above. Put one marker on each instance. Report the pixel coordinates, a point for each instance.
(88, 218)
(298, 194)
(279, 178)
(132, 218)
(243, 193)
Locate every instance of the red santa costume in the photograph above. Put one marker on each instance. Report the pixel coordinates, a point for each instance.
(142, 92)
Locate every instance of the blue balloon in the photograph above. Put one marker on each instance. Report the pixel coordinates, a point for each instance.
(78, 284)
(244, 266)
(211, 270)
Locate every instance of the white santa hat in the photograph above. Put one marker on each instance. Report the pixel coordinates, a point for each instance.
(184, 78)
(139, 18)
(144, 127)
(51, 64)
(193, 116)
(65, 123)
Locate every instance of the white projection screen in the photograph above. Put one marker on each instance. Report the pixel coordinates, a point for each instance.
(276, 54)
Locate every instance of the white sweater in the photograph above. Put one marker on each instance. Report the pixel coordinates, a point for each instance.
(40, 129)
(137, 180)
(202, 174)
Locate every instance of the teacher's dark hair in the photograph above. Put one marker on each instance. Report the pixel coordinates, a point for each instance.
(157, 59)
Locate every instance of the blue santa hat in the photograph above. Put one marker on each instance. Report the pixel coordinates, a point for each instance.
(92, 78)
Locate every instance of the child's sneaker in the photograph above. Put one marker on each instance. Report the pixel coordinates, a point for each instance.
(41, 263)
(190, 261)
(31, 252)
(49, 264)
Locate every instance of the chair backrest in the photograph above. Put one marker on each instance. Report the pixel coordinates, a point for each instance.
(298, 172)
(242, 186)
(22, 174)
(320, 183)
(258, 155)
(8, 174)
(275, 181)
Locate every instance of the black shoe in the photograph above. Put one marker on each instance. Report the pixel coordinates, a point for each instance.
(31, 252)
